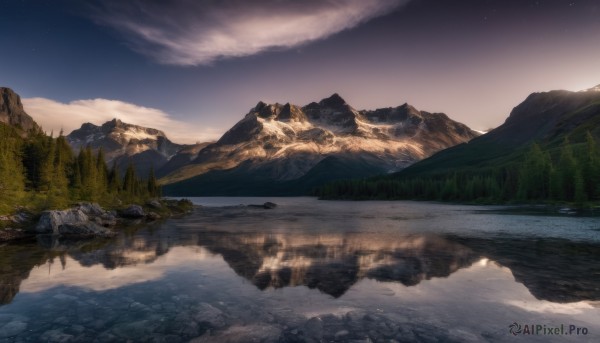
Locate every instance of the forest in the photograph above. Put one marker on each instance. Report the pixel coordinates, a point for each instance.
(569, 173)
(43, 172)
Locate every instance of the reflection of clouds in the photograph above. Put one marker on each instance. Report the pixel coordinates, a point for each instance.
(543, 306)
(484, 288)
(99, 278)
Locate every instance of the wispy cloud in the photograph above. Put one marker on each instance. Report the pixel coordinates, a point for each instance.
(56, 116)
(196, 32)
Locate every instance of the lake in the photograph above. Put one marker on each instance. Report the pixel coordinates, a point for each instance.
(312, 271)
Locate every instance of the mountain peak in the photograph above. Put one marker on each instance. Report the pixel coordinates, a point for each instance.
(12, 112)
(593, 89)
(333, 101)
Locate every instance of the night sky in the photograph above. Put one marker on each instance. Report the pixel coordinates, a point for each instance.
(194, 67)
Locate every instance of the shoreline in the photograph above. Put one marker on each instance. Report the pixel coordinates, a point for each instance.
(87, 220)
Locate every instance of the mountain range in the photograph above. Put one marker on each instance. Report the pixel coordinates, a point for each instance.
(546, 118)
(284, 149)
(125, 144)
(546, 150)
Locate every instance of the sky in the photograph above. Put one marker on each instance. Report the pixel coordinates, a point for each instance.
(193, 68)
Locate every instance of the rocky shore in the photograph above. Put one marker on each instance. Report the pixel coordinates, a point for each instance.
(86, 219)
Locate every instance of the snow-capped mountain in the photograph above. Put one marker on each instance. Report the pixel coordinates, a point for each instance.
(126, 143)
(284, 149)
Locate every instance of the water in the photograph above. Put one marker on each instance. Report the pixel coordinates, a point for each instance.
(310, 271)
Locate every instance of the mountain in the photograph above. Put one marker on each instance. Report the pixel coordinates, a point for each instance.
(126, 143)
(183, 157)
(287, 149)
(12, 112)
(546, 118)
(546, 150)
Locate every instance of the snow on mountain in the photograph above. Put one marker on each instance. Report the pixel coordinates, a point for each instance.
(126, 143)
(284, 142)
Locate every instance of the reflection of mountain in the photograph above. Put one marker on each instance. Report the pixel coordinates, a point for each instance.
(332, 263)
(552, 269)
(556, 270)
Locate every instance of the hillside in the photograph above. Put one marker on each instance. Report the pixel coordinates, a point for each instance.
(546, 150)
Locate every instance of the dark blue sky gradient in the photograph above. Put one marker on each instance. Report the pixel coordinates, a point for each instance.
(473, 59)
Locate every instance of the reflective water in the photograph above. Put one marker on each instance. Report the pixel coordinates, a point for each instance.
(310, 271)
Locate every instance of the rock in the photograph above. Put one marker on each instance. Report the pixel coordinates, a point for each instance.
(50, 221)
(21, 217)
(56, 335)
(106, 220)
(12, 112)
(155, 204)
(83, 229)
(209, 314)
(314, 328)
(152, 216)
(269, 205)
(133, 211)
(12, 329)
(97, 214)
(91, 209)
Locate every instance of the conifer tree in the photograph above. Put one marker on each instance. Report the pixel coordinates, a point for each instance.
(153, 189)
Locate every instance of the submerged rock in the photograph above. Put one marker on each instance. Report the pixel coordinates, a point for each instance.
(152, 216)
(84, 229)
(133, 211)
(268, 205)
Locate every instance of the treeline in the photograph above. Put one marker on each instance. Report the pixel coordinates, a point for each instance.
(570, 173)
(44, 172)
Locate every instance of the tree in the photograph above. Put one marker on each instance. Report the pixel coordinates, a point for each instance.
(153, 189)
(12, 178)
(114, 179)
(534, 175)
(129, 181)
(591, 168)
(566, 169)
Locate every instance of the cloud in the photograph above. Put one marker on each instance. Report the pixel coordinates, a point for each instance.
(56, 116)
(197, 32)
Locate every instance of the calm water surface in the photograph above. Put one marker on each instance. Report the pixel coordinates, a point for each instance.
(310, 271)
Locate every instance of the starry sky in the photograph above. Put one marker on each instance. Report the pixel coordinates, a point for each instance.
(193, 68)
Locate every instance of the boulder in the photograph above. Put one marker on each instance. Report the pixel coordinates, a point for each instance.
(107, 220)
(269, 205)
(152, 216)
(133, 211)
(91, 209)
(50, 221)
(155, 204)
(97, 214)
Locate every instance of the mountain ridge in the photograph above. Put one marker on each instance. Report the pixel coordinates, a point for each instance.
(282, 142)
(125, 143)
(12, 112)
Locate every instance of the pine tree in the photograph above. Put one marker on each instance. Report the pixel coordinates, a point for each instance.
(534, 176)
(566, 169)
(129, 181)
(12, 178)
(114, 179)
(153, 189)
(591, 168)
